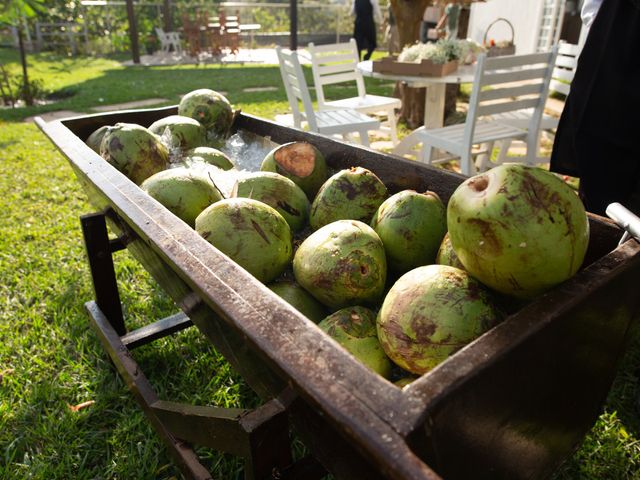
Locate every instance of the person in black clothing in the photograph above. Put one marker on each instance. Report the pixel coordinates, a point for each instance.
(598, 134)
(367, 13)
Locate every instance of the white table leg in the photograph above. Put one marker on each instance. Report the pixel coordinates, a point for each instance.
(434, 105)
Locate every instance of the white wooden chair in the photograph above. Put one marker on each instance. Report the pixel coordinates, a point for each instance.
(493, 93)
(169, 40)
(336, 63)
(561, 78)
(341, 121)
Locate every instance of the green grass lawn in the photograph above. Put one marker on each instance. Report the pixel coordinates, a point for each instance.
(50, 360)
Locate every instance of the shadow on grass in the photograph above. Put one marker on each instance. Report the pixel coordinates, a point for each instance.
(137, 83)
(114, 86)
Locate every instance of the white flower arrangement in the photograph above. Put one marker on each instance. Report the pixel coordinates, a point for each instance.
(442, 51)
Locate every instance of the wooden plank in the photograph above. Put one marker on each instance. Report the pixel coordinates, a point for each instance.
(98, 247)
(218, 428)
(490, 78)
(156, 330)
(501, 107)
(183, 455)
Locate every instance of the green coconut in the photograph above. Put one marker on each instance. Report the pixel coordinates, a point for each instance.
(183, 191)
(300, 162)
(95, 139)
(518, 229)
(211, 109)
(278, 192)
(411, 226)
(355, 329)
(209, 155)
(177, 131)
(134, 151)
(342, 264)
(354, 194)
(403, 382)
(300, 299)
(430, 313)
(446, 255)
(251, 233)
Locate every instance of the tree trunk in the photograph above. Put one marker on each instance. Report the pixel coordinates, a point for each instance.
(168, 15)
(26, 91)
(133, 32)
(453, 89)
(408, 15)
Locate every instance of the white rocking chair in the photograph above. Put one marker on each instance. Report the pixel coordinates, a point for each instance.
(561, 78)
(341, 121)
(497, 73)
(336, 63)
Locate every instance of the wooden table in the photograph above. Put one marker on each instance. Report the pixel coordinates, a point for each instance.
(434, 99)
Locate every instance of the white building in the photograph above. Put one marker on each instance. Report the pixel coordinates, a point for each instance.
(537, 24)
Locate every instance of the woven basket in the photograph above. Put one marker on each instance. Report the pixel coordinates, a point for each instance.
(495, 51)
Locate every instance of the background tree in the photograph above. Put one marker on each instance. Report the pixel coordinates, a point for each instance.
(14, 13)
(408, 14)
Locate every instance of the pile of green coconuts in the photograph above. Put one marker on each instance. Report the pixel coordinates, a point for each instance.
(402, 281)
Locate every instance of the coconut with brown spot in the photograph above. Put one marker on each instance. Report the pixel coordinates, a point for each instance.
(251, 233)
(211, 109)
(300, 162)
(183, 191)
(134, 151)
(355, 329)
(278, 192)
(430, 313)
(342, 264)
(300, 299)
(447, 255)
(355, 193)
(411, 226)
(518, 229)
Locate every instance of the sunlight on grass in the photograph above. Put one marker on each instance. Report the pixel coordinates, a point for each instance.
(49, 357)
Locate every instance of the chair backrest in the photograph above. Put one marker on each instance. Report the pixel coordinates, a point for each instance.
(566, 64)
(511, 83)
(161, 35)
(335, 63)
(296, 87)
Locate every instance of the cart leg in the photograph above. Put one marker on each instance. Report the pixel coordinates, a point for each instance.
(269, 443)
(99, 252)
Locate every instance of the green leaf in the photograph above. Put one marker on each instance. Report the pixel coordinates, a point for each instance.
(13, 10)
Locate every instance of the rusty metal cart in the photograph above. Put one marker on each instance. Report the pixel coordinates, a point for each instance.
(513, 404)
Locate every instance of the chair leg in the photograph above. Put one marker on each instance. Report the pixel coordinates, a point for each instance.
(532, 149)
(466, 164)
(408, 142)
(426, 153)
(483, 161)
(391, 120)
(364, 137)
(504, 149)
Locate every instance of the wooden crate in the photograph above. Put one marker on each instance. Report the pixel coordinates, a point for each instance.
(426, 68)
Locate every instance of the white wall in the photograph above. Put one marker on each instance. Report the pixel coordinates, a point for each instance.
(524, 15)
